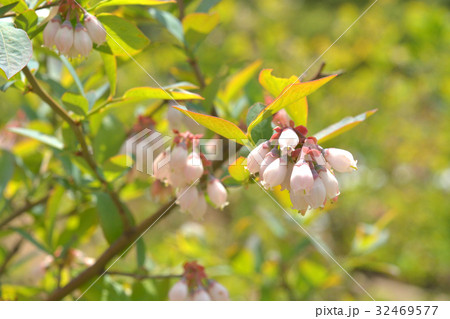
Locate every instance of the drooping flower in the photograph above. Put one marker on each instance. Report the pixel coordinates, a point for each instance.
(217, 193)
(201, 295)
(50, 31)
(179, 291)
(340, 160)
(330, 182)
(178, 157)
(298, 201)
(64, 38)
(286, 184)
(82, 42)
(194, 167)
(317, 195)
(217, 292)
(256, 157)
(95, 29)
(274, 173)
(302, 178)
(187, 198)
(268, 159)
(288, 140)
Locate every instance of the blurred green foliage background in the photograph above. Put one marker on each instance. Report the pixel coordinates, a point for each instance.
(390, 227)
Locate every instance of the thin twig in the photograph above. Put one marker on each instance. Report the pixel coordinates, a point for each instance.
(142, 276)
(22, 210)
(76, 128)
(10, 255)
(180, 9)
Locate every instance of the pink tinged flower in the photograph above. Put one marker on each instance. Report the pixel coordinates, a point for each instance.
(288, 140)
(317, 196)
(187, 198)
(95, 29)
(178, 157)
(302, 179)
(217, 193)
(298, 201)
(161, 167)
(50, 32)
(179, 291)
(218, 292)
(194, 168)
(64, 38)
(82, 42)
(330, 182)
(201, 295)
(200, 208)
(274, 173)
(256, 157)
(268, 159)
(340, 160)
(286, 184)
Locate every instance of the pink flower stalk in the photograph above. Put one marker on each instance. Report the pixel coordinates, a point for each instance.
(330, 182)
(217, 291)
(95, 29)
(317, 196)
(217, 193)
(50, 31)
(256, 157)
(274, 173)
(194, 168)
(82, 42)
(340, 160)
(302, 178)
(64, 38)
(187, 198)
(179, 291)
(288, 140)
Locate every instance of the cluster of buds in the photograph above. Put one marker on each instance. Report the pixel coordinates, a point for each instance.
(195, 286)
(297, 163)
(181, 167)
(68, 258)
(73, 30)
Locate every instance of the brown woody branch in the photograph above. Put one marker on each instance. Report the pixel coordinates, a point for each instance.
(22, 210)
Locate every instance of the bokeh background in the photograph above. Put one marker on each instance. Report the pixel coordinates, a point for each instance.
(390, 227)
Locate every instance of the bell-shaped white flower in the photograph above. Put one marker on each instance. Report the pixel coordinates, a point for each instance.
(64, 38)
(317, 196)
(194, 167)
(178, 156)
(340, 160)
(301, 178)
(200, 208)
(201, 295)
(95, 29)
(288, 140)
(217, 291)
(179, 291)
(161, 167)
(82, 42)
(217, 193)
(286, 184)
(268, 159)
(187, 198)
(50, 31)
(274, 173)
(256, 157)
(298, 201)
(330, 182)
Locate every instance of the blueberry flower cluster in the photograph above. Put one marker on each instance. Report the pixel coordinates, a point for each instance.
(75, 34)
(195, 286)
(298, 164)
(182, 167)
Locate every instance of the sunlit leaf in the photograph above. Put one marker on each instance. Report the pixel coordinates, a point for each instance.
(220, 126)
(237, 169)
(32, 240)
(7, 169)
(109, 138)
(116, 166)
(110, 64)
(262, 131)
(198, 25)
(44, 138)
(51, 211)
(75, 103)
(15, 50)
(342, 126)
(170, 22)
(147, 93)
(133, 2)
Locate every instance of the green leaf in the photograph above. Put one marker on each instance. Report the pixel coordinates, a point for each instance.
(32, 240)
(289, 96)
(7, 169)
(140, 253)
(262, 131)
(124, 38)
(109, 138)
(198, 25)
(6, 8)
(220, 126)
(342, 126)
(51, 211)
(206, 5)
(133, 2)
(116, 166)
(170, 22)
(73, 73)
(44, 138)
(110, 64)
(238, 171)
(148, 93)
(27, 21)
(15, 50)
(19, 6)
(75, 103)
(109, 217)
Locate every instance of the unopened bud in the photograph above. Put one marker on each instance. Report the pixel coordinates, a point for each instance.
(187, 198)
(330, 182)
(217, 193)
(64, 38)
(256, 157)
(218, 292)
(194, 168)
(201, 295)
(179, 291)
(317, 196)
(50, 31)
(302, 178)
(274, 173)
(95, 29)
(82, 42)
(340, 160)
(288, 140)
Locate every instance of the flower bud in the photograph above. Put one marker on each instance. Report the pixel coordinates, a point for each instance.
(217, 291)
(317, 196)
(330, 182)
(201, 295)
(161, 167)
(179, 291)
(64, 38)
(302, 178)
(217, 193)
(50, 31)
(274, 173)
(200, 208)
(178, 157)
(340, 160)
(268, 159)
(298, 201)
(288, 140)
(95, 29)
(187, 198)
(256, 157)
(82, 42)
(194, 168)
